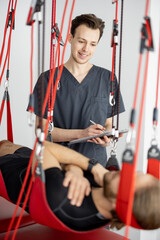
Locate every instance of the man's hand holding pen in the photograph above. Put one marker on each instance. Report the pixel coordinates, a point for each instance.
(96, 129)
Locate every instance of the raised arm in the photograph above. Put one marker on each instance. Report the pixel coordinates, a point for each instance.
(65, 155)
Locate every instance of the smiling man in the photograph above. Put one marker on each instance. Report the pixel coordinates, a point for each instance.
(83, 92)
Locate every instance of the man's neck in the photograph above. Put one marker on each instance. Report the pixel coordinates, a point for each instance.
(79, 71)
(102, 204)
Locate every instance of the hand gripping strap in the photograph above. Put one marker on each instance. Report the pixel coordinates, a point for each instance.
(3, 191)
(126, 176)
(153, 167)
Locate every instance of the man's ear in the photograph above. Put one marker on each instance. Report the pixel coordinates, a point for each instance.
(70, 38)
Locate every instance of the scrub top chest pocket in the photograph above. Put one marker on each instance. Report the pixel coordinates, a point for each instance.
(99, 109)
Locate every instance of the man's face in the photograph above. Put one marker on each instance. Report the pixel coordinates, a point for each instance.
(84, 43)
(111, 183)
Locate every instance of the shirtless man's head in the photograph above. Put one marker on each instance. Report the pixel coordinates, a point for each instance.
(146, 198)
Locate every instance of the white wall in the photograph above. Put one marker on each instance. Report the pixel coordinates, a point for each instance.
(20, 59)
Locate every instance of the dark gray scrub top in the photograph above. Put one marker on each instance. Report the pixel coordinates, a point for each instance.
(78, 103)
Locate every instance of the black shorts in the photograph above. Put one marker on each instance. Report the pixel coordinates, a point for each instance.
(13, 168)
(81, 218)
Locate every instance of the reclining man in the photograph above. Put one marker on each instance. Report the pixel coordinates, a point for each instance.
(81, 207)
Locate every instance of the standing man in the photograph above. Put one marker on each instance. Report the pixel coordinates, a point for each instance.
(83, 92)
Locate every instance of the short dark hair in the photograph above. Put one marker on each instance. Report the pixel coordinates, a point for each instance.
(146, 206)
(90, 20)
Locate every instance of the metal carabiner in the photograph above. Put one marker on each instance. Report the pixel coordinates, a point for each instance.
(50, 126)
(111, 100)
(30, 119)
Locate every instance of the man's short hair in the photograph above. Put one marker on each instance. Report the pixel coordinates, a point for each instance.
(90, 20)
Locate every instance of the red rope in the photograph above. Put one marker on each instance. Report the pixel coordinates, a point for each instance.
(53, 71)
(30, 162)
(9, 42)
(21, 192)
(158, 72)
(31, 59)
(147, 8)
(116, 19)
(132, 187)
(5, 31)
(1, 110)
(61, 68)
(137, 81)
(24, 203)
(52, 52)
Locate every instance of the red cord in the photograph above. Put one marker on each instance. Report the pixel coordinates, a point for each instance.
(53, 71)
(9, 42)
(31, 59)
(21, 192)
(5, 31)
(132, 187)
(61, 68)
(147, 7)
(116, 20)
(30, 162)
(137, 81)
(24, 203)
(158, 72)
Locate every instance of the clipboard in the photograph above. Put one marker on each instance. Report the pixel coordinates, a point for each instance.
(105, 133)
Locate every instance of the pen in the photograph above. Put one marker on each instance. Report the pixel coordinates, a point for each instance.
(95, 124)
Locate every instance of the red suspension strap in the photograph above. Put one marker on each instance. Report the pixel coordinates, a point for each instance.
(112, 163)
(39, 154)
(5, 32)
(11, 24)
(154, 151)
(52, 56)
(31, 98)
(54, 36)
(35, 7)
(126, 191)
(6, 98)
(21, 194)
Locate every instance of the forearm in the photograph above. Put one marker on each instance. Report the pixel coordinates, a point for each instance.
(65, 155)
(108, 124)
(65, 135)
(73, 168)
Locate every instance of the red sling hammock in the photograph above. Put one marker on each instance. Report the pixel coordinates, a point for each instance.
(9, 23)
(126, 191)
(154, 151)
(39, 187)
